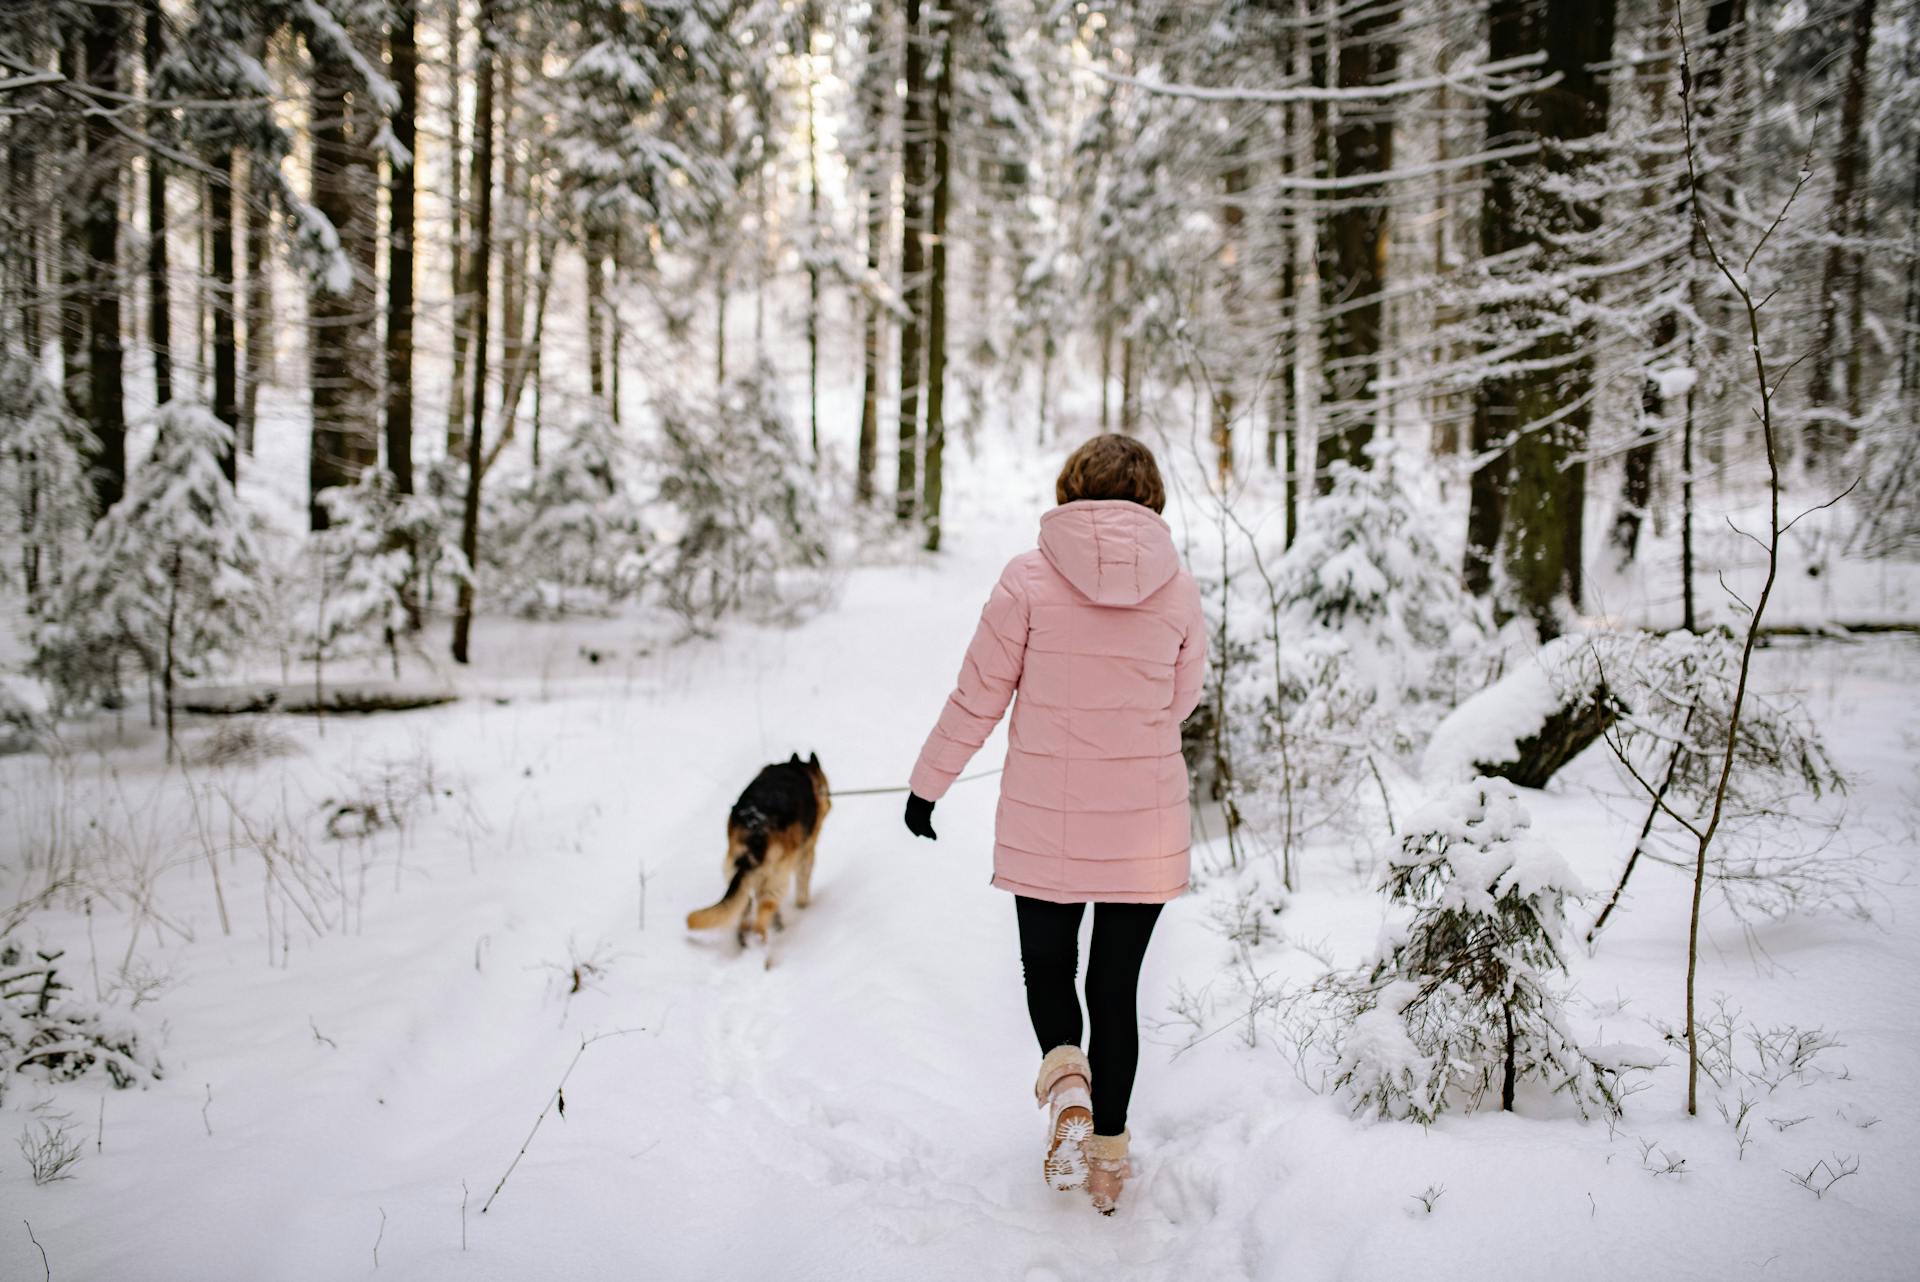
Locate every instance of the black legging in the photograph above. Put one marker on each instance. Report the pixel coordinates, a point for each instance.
(1049, 954)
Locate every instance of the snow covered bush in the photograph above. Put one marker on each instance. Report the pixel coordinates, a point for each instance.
(42, 1028)
(1331, 657)
(570, 535)
(368, 562)
(737, 507)
(1365, 566)
(1458, 1001)
(169, 576)
(43, 478)
(1771, 854)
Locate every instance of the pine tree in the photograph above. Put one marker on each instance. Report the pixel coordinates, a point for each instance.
(1460, 1000)
(170, 575)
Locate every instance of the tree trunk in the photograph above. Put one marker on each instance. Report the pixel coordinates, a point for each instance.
(809, 20)
(1233, 217)
(405, 70)
(457, 240)
(1129, 402)
(954, 16)
(1527, 496)
(340, 310)
(874, 99)
(1353, 243)
(594, 251)
(481, 260)
(259, 301)
(159, 318)
(914, 133)
(71, 256)
(1840, 274)
(100, 187)
(226, 392)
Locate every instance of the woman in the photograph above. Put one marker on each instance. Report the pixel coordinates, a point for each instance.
(1100, 630)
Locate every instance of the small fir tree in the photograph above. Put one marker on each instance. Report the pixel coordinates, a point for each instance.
(369, 560)
(169, 575)
(43, 478)
(571, 532)
(1459, 1000)
(737, 505)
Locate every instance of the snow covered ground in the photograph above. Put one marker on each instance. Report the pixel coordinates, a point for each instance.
(339, 1102)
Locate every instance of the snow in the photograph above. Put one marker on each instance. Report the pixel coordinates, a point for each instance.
(862, 1108)
(1675, 380)
(1487, 728)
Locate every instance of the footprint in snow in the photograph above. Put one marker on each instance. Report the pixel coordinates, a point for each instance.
(1185, 1190)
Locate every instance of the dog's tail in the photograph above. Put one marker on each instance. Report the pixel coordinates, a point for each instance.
(749, 852)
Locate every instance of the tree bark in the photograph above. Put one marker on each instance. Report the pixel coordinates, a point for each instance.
(953, 15)
(405, 71)
(874, 100)
(481, 259)
(1527, 497)
(809, 19)
(914, 133)
(1840, 274)
(259, 302)
(340, 311)
(457, 238)
(159, 317)
(1353, 243)
(100, 186)
(226, 393)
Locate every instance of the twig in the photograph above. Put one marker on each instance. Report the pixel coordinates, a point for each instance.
(379, 1237)
(1765, 414)
(552, 1100)
(45, 1268)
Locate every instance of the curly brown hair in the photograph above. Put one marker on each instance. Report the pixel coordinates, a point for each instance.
(1112, 466)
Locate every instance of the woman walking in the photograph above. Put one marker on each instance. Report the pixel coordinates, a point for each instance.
(1100, 631)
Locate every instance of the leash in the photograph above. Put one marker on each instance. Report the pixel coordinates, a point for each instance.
(870, 792)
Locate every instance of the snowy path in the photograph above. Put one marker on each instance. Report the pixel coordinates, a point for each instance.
(862, 1108)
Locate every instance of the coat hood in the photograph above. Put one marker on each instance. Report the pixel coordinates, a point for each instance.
(1115, 551)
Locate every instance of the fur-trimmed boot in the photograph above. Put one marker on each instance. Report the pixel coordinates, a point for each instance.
(1107, 1169)
(1062, 1088)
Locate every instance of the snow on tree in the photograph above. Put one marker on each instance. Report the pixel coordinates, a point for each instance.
(169, 576)
(368, 561)
(1545, 710)
(1460, 999)
(43, 482)
(45, 1030)
(1366, 566)
(1331, 657)
(1772, 853)
(571, 535)
(737, 515)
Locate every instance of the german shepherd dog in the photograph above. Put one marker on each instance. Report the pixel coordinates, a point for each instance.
(771, 833)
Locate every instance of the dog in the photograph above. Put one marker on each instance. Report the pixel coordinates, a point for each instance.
(771, 833)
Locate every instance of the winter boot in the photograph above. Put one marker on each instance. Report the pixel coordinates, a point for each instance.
(1062, 1088)
(1108, 1169)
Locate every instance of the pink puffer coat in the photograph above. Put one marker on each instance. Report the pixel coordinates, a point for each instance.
(1100, 630)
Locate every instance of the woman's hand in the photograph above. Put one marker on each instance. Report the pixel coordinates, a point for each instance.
(920, 817)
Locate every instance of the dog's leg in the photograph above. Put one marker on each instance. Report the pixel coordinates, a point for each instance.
(745, 923)
(766, 913)
(803, 892)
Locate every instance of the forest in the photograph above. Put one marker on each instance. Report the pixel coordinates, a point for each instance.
(446, 445)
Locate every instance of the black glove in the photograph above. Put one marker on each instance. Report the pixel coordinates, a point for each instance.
(920, 817)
